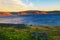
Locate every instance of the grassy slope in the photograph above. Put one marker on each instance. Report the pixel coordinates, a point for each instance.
(29, 32)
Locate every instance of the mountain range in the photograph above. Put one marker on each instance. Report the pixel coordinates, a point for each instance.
(28, 12)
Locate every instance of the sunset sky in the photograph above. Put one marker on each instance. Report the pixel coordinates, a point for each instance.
(21, 5)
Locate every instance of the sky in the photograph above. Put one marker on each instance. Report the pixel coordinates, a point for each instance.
(22, 5)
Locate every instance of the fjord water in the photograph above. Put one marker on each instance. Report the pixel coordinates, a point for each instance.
(37, 19)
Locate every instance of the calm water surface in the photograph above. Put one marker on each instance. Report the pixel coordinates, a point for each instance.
(38, 19)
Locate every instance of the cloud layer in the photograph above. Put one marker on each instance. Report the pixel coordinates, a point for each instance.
(18, 5)
(12, 5)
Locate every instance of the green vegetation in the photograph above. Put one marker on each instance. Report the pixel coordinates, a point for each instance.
(29, 32)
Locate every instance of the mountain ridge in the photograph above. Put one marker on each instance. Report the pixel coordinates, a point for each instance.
(27, 12)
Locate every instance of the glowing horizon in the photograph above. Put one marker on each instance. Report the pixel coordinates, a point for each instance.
(22, 5)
